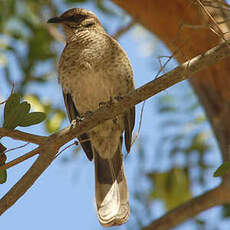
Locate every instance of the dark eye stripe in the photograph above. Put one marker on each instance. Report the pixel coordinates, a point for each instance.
(75, 18)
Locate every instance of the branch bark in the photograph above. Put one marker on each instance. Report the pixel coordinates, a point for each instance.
(214, 197)
(48, 146)
(41, 163)
(22, 136)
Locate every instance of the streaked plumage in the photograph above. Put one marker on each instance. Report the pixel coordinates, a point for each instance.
(93, 68)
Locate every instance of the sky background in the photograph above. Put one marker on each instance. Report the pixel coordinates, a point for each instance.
(63, 197)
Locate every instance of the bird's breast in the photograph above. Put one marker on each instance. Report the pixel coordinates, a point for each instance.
(89, 88)
(93, 74)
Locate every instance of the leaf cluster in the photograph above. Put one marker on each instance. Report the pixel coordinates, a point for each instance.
(16, 114)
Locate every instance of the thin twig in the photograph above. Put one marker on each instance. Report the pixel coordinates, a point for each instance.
(19, 159)
(162, 67)
(210, 4)
(19, 147)
(65, 149)
(219, 32)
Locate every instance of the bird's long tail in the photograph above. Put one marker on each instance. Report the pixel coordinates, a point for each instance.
(112, 196)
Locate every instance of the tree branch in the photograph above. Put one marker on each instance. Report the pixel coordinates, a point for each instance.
(216, 196)
(155, 86)
(19, 159)
(50, 145)
(45, 158)
(22, 136)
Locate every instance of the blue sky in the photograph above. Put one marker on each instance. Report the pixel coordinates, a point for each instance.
(63, 197)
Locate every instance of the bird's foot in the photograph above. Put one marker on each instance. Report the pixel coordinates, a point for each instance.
(115, 99)
(76, 121)
(118, 98)
(102, 104)
(111, 101)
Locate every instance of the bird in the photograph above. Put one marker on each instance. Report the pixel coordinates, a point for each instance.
(93, 69)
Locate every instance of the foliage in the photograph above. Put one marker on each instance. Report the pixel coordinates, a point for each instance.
(17, 114)
(222, 169)
(172, 186)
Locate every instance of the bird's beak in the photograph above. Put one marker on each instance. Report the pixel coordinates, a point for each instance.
(55, 20)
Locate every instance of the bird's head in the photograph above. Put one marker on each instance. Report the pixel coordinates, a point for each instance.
(76, 20)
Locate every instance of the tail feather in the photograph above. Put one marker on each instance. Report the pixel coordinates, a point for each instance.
(112, 197)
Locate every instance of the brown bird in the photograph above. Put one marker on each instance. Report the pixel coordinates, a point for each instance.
(93, 69)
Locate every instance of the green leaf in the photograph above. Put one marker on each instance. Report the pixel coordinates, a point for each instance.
(32, 119)
(3, 176)
(226, 210)
(200, 119)
(16, 115)
(167, 108)
(172, 187)
(11, 103)
(222, 169)
(166, 99)
(55, 120)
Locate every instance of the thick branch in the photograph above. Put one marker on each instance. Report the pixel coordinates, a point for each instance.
(49, 147)
(39, 166)
(178, 74)
(148, 90)
(217, 196)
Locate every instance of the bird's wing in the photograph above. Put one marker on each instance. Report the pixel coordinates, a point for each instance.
(129, 125)
(73, 114)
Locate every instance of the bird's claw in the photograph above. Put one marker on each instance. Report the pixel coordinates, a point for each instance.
(102, 103)
(118, 98)
(76, 121)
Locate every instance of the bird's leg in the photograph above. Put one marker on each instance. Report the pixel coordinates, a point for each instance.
(106, 103)
(111, 101)
(79, 119)
(115, 99)
(102, 103)
(118, 98)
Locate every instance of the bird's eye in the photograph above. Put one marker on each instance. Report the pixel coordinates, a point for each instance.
(89, 24)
